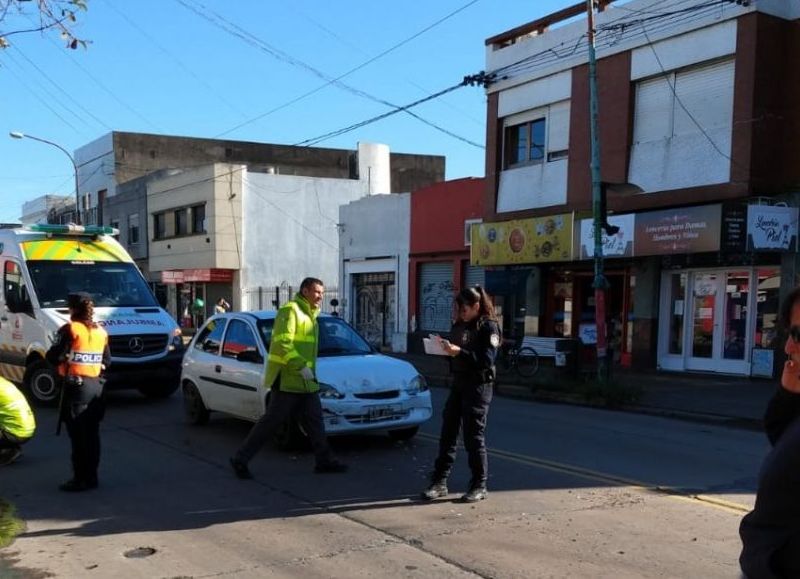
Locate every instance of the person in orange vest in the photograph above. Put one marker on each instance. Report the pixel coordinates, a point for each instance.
(17, 423)
(80, 352)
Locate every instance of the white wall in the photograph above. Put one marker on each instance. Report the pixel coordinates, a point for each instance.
(374, 167)
(564, 46)
(289, 228)
(533, 186)
(95, 162)
(375, 236)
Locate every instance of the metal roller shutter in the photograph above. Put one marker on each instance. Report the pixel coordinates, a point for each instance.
(436, 293)
(474, 275)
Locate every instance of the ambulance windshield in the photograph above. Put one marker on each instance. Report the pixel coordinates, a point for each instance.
(111, 284)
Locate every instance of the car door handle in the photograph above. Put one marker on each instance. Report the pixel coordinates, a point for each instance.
(218, 369)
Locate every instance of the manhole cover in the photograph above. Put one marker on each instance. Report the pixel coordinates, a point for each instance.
(140, 552)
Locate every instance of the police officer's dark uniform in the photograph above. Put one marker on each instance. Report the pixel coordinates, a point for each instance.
(467, 406)
(80, 352)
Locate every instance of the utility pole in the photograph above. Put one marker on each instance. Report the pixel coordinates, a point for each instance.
(599, 218)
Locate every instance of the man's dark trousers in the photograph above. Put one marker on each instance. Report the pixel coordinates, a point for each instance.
(285, 406)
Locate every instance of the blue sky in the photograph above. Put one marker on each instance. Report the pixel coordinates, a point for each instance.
(157, 66)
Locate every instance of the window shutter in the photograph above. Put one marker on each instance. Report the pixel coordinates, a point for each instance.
(707, 93)
(653, 117)
(436, 293)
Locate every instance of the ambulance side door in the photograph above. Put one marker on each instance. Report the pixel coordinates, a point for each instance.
(16, 313)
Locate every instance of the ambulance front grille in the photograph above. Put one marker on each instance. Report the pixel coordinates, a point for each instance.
(137, 345)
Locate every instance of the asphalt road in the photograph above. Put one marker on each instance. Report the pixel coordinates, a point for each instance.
(574, 492)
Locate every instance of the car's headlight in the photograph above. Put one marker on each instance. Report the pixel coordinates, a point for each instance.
(177, 340)
(326, 391)
(417, 384)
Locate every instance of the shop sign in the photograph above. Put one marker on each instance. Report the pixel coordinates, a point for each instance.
(534, 240)
(172, 277)
(617, 245)
(197, 275)
(680, 230)
(734, 228)
(771, 228)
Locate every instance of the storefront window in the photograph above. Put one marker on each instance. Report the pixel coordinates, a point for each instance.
(562, 311)
(676, 309)
(767, 305)
(703, 312)
(737, 290)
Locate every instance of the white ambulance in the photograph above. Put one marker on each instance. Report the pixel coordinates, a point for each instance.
(41, 265)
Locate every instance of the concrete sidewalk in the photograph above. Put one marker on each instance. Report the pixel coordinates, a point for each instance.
(732, 400)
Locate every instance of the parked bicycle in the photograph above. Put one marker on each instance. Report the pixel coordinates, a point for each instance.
(524, 360)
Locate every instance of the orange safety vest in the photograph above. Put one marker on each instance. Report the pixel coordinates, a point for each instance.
(86, 356)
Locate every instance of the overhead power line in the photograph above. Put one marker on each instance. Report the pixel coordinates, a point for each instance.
(220, 21)
(354, 69)
(326, 136)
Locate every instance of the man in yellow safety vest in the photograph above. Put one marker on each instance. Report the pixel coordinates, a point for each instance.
(17, 423)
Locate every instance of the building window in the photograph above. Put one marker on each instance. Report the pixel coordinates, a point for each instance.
(662, 102)
(133, 229)
(181, 221)
(114, 224)
(199, 219)
(159, 226)
(468, 230)
(525, 143)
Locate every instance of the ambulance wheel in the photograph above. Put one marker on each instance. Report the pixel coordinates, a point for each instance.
(159, 390)
(42, 384)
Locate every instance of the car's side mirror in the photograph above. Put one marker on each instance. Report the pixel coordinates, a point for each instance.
(251, 356)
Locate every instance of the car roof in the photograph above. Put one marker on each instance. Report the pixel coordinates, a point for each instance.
(264, 314)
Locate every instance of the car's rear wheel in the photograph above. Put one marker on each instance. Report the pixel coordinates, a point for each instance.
(42, 383)
(193, 405)
(158, 390)
(404, 433)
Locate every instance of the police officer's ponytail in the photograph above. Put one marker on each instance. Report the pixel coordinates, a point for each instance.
(82, 307)
(472, 295)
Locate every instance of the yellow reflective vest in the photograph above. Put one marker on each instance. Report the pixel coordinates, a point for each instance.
(293, 346)
(16, 416)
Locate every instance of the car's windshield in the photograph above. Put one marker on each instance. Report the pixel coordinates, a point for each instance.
(336, 338)
(109, 283)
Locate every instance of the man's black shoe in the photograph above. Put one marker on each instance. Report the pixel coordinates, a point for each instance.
(77, 486)
(475, 494)
(240, 469)
(437, 490)
(332, 466)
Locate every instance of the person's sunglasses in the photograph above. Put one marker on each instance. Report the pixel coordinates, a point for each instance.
(794, 334)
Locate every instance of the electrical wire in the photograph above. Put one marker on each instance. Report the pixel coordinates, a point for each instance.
(237, 31)
(154, 42)
(356, 68)
(35, 95)
(342, 131)
(64, 92)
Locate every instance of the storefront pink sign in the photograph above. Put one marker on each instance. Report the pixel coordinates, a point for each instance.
(681, 230)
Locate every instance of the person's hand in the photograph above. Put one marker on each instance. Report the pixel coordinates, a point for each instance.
(451, 349)
(307, 373)
(790, 379)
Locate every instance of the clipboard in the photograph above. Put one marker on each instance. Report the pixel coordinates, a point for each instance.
(433, 346)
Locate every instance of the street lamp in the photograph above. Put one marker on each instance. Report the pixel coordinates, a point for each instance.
(18, 135)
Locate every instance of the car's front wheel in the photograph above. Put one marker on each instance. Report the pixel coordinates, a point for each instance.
(404, 433)
(42, 383)
(193, 405)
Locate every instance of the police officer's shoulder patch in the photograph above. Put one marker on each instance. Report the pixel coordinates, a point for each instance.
(494, 340)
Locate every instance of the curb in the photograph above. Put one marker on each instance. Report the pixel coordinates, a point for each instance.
(517, 392)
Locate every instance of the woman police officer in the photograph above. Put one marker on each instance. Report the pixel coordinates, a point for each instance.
(80, 352)
(475, 340)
